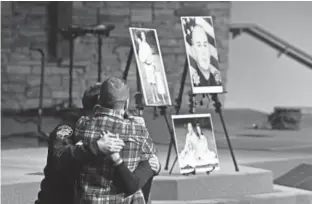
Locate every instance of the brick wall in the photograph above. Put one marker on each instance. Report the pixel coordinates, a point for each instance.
(25, 22)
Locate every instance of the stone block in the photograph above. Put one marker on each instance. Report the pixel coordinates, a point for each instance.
(51, 80)
(141, 4)
(51, 70)
(163, 14)
(114, 19)
(173, 50)
(90, 4)
(218, 185)
(33, 91)
(121, 31)
(34, 103)
(194, 4)
(14, 88)
(165, 33)
(170, 63)
(78, 4)
(167, 4)
(141, 15)
(121, 52)
(123, 41)
(219, 5)
(219, 14)
(78, 81)
(119, 11)
(117, 4)
(170, 42)
(18, 69)
(13, 78)
(60, 94)
(192, 11)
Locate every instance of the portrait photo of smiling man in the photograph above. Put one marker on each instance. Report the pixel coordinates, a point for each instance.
(202, 54)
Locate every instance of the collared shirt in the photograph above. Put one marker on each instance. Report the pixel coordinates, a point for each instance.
(96, 184)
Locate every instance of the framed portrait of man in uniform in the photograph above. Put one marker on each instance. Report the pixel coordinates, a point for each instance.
(151, 67)
(202, 54)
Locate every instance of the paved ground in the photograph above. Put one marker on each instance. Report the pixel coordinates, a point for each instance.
(23, 159)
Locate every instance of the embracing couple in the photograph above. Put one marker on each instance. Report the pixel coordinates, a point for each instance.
(102, 155)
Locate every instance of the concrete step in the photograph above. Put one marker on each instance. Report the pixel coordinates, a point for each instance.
(225, 183)
(280, 195)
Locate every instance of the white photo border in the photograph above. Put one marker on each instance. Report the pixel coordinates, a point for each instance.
(204, 89)
(138, 66)
(202, 115)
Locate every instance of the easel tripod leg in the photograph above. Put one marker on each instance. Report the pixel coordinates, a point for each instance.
(228, 141)
(125, 74)
(217, 105)
(178, 106)
(174, 162)
(171, 140)
(168, 154)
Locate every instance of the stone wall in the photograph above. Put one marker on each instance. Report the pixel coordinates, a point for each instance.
(25, 22)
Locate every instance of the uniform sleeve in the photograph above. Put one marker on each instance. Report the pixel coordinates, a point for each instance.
(129, 182)
(72, 156)
(148, 147)
(68, 154)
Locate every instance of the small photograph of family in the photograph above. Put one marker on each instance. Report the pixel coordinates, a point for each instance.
(196, 144)
(151, 68)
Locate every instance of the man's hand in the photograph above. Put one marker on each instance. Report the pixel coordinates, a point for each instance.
(138, 119)
(116, 158)
(108, 144)
(154, 163)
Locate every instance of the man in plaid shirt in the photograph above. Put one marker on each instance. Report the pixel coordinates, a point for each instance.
(96, 177)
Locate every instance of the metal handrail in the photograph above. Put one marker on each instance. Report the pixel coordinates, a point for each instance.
(273, 41)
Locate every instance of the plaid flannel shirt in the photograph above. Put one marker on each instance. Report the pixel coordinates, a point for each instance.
(96, 184)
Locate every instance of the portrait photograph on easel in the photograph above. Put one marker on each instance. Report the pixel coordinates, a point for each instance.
(151, 67)
(202, 54)
(195, 141)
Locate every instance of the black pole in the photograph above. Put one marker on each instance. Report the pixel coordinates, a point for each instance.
(99, 78)
(164, 113)
(41, 91)
(172, 142)
(178, 107)
(99, 58)
(39, 127)
(125, 74)
(139, 104)
(173, 164)
(218, 110)
(71, 64)
(180, 96)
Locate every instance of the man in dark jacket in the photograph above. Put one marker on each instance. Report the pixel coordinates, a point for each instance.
(65, 158)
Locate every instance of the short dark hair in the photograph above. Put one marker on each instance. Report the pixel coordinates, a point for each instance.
(91, 96)
(113, 93)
